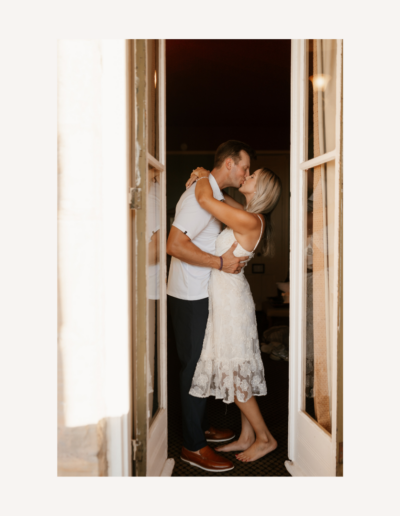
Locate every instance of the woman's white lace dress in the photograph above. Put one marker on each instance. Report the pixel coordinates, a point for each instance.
(230, 363)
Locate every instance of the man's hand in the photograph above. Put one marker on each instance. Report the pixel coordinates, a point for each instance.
(232, 263)
(195, 175)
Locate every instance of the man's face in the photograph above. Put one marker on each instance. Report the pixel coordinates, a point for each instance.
(241, 170)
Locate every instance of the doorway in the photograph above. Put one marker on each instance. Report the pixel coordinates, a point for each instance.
(235, 89)
(314, 115)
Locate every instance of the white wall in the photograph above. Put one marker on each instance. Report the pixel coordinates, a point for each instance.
(93, 324)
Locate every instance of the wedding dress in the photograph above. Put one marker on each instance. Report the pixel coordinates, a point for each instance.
(230, 363)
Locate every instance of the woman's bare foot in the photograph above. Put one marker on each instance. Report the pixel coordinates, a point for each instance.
(257, 450)
(240, 445)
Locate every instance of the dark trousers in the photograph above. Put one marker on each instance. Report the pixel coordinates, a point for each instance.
(189, 320)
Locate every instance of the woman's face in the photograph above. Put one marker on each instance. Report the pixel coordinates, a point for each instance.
(249, 185)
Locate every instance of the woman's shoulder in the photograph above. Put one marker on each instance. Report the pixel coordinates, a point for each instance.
(258, 220)
(261, 218)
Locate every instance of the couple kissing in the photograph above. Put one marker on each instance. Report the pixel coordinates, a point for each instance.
(212, 308)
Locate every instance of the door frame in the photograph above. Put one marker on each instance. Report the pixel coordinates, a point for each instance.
(119, 432)
(150, 441)
(125, 319)
(311, 450)
(116, 319)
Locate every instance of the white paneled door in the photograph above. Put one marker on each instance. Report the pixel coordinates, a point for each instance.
(315, 422)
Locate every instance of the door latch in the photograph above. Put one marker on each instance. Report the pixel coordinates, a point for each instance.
(135, 199)
(135, 446)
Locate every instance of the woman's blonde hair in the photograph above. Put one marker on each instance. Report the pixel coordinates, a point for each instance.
(268, 192)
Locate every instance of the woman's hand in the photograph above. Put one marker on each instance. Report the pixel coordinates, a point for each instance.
(196, 174)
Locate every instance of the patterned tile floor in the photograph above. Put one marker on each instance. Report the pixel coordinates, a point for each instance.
(273, 406)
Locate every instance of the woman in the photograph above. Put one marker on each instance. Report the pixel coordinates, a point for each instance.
(230, 366)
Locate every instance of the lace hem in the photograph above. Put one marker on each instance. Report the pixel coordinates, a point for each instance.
(226, 379)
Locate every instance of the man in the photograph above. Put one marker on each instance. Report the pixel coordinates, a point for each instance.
(191, 243)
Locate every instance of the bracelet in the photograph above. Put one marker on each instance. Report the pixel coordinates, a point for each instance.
(222, 263)
(198, 179)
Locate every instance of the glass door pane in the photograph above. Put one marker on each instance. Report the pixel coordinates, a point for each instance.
(153, 288)
(319, 281)
(149, 295)
(321, 63)
(153, 86)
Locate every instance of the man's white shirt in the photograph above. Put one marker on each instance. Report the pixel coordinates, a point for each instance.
(185, 281)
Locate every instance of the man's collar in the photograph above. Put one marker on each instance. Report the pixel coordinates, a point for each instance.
(215, 188)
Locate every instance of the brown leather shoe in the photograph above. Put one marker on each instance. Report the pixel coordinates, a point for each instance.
(207, 460)
(214, 435)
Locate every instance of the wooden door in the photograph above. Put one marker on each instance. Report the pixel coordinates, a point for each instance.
(148, 203)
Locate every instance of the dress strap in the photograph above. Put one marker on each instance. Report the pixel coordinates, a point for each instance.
(260, 233)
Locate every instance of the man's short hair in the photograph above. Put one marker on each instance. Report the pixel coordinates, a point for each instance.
(231, 149)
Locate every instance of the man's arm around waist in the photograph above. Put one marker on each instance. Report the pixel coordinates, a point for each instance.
(180, 246)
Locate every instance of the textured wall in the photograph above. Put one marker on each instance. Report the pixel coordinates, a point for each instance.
(81, 405)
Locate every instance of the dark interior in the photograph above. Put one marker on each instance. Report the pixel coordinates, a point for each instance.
(219, 90)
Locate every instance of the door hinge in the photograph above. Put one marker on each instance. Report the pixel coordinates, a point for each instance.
(135, 199)
(340, 458)
(135, 446)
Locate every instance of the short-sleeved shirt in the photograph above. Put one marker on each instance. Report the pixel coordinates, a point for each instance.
(185, 281)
